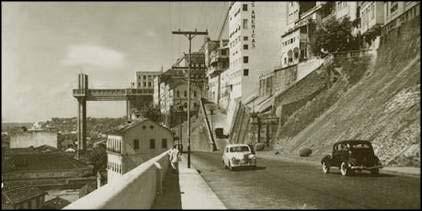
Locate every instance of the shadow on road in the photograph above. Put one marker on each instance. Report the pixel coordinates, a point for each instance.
(170, 198)
(249, 168)
(365, 174)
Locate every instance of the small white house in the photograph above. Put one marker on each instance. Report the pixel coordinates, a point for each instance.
(134, 143)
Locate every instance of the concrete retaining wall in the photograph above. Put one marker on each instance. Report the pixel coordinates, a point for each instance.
(136, 189)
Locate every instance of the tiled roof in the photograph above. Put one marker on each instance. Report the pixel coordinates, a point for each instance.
(19, 194)
(41, 161)
(120, 130)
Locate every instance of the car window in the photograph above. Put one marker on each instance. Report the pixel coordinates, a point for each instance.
(239, 149)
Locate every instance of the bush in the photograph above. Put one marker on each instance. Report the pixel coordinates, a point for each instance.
(305, 152)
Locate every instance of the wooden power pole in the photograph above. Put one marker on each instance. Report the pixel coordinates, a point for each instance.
(190, 35)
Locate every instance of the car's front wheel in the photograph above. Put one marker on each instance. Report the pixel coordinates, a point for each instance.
(325, 167)
(344, 169)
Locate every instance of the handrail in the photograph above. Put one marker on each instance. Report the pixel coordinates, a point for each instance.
(210, 132)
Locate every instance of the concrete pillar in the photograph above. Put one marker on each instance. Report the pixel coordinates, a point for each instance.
(128, 110)
(81, 125)
(81, 121)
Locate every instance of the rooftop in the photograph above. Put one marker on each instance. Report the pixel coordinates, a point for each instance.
(41, 161)
(18, 194)
(56, 203)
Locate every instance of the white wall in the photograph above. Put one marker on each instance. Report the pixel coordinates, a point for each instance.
(136, 189)
(33, 138)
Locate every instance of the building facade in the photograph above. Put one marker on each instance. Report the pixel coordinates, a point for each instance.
(371, 14)
(134, 143)
(397, 12)
(145, 79)
(34, 138)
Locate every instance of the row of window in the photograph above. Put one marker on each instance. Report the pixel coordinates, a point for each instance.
(145, 77)
(145, 84)
(151, 144)
(288, 42)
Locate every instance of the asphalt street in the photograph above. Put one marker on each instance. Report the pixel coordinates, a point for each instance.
(285, 184)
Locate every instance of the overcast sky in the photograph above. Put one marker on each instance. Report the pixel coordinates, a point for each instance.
(46, 44)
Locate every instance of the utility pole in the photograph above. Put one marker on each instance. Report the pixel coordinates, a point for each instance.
(190, 35)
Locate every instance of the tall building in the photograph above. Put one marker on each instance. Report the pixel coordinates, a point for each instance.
(216, 61)
(131, 144)
(254, 31)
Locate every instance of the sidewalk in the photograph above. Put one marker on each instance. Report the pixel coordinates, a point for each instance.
(405, 171)
(195, 192)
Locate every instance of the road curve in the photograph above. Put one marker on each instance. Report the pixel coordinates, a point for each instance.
(283, 184)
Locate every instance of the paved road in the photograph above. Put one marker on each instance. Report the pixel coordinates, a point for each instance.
(282, 184)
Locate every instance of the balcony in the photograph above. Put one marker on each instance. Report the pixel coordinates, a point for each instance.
(111, 94)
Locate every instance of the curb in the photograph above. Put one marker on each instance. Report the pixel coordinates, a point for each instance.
(195, 192)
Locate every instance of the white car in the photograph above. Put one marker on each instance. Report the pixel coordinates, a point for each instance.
(237, 155)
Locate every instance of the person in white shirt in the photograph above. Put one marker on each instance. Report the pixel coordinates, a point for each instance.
(174, 157)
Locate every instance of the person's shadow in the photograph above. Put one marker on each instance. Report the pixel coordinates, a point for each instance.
(170, 198)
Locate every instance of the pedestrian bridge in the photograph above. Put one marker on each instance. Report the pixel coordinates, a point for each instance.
(111, 94)
(137, 189)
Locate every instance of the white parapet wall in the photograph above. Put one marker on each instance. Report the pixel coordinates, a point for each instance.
(304, 68)
(137, 189)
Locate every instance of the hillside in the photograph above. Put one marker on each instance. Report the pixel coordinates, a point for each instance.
(380, 104)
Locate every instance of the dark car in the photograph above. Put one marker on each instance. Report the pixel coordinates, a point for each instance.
(351, 156)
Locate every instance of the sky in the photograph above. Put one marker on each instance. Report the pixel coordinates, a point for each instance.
(46, 44)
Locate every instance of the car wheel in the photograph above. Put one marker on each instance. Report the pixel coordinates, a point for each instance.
(375, 171)
(344, 169)
(325, 168)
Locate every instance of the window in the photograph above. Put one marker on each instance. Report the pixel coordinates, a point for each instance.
(178, 93)
(164, 143)
(245, 38)
(185, 93)
(245, 59)
(245, 47)
(245, 7)
(152, 143)
(151, 127)
(145, 84)
(245, 24)
(139, 84)
(135, 144)
(145, 77)
(194, 93)
(144, 127)
(245, 72)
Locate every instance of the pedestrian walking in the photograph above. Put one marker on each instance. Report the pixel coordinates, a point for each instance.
(174, 157)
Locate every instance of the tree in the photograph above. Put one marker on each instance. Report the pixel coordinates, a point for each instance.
(152, 113)
(334, 36)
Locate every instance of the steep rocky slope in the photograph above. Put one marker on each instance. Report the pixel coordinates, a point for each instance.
(382, 106)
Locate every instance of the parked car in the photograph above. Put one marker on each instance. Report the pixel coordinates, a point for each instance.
(351, 156)
(238, 155)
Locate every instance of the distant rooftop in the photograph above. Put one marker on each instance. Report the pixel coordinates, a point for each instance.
(18, 194)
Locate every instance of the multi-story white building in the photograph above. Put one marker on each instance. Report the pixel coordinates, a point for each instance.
(145, 79)
(346, 9)
(134, 143)
(371, 14)
(254, 31)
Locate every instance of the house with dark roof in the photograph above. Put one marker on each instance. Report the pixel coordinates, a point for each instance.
(133, 143)
(48, 169)
(22, 197)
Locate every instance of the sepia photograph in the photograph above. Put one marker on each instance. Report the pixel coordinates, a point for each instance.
(210, 105)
